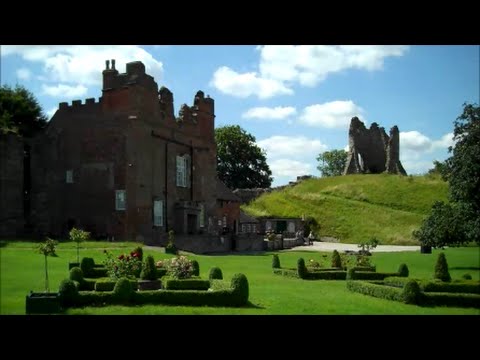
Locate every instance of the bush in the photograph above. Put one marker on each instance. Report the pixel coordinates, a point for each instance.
(301, 269)
(179, 267)
(467, 276)
(441, 268)
(375, 290)
(336, 261)
(196, 268)
(105, 285)
(187, 284)
(149, 271)
(240, 289)
(76, 274)
(327, 275)
(87, 265)
(68, 292)
(286, 272)
(123, 291)
(403, 270)
(411, 293)
(351, 274)
(139, 251)
(275, 262)
(215, 273)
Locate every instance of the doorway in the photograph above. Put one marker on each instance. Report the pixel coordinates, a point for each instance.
(191, 224)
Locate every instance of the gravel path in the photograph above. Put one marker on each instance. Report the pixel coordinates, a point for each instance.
(330, 246)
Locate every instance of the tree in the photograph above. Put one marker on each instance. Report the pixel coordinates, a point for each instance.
(332, 163)
(47, 249)
(78, 236)
(20, 112)
(459, 221)
(440, 168)
(241, 164)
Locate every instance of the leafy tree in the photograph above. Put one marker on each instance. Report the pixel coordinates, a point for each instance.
(47, 249)
(241, 164)
(440, 168)
(20, 112)
(459, 221)
(332, 163)
(78, 236)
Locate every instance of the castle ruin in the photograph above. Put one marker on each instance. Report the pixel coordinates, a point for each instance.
(372, 151)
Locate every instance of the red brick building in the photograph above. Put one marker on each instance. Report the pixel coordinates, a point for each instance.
(126, 167)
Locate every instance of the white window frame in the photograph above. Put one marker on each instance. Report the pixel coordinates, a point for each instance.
(224, 221)
(69, 176)
(120, 204)
(181, 171)
(157, 212)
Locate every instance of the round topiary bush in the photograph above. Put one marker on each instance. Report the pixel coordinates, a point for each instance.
(195, 267)
(467, 277)
(275, 262)
(76, 274)
(411, 292)
(68, 292)
(403, 270)
(350, 274)
(87, 266)
(301, 269)
(215, 273)
(123, 290)
(336, 260)
(441, 268)
(149, 270)
(240, 289)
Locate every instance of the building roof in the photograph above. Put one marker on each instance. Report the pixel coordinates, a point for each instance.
(224, 193)
(245, 218)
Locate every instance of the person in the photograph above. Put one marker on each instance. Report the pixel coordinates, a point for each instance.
(311, 237)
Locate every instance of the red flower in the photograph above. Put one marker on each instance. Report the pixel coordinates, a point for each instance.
(134, 254)
(121, 257)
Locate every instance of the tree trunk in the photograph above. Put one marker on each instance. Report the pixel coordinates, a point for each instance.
(46, 275)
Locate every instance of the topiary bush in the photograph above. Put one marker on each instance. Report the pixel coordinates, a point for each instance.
(123, 290)
(195, 267)
(350, 274)
(302, 269)
(467, 276)
(76, 274)
(139, 251)
(149, 270)
(441, 268)
(403, 270)
(275, 262)
(411, 293)
(215, 273)
(336, 260)
(68, 292)
(240, 289)
(87, 265)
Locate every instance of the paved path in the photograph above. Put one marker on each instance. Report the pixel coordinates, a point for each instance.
(330, 246)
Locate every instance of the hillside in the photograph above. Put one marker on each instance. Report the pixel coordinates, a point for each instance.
(354, 208)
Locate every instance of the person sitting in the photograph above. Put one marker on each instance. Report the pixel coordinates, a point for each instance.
(311, 237)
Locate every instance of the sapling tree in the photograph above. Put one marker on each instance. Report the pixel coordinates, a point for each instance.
(47, 249)
(78, 236)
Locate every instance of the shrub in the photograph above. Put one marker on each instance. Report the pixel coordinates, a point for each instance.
(68, 292)
(336, 261)
(240, 289)
(301, 269)
(275, 262)
(76, 274)
(441, 268)
(87, 266)
(313, 265)
(411, 293)
(187, 284)
(467, 276)
(215, 273)
(149, 271)
(128, 266)
(403, 270)
(139, 251)
(170, 248)
(105, 285)
(180, 267)
(123, 290)
(196, 268)
(351, 274)
(376, 290)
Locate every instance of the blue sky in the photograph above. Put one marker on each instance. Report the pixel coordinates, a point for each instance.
(296, 100)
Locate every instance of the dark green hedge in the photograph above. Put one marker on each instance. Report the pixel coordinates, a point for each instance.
(187, 284)
(286, 272)
(449, 299)
(326, 275)
(312, 269)
(105, 285)
(467, 287)
(161, 272)
(369, 275)
(376, 290)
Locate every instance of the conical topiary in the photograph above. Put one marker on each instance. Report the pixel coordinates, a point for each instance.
(149, 270)
(302, 269)
(336, 260)
(275, 262)
(441, 268)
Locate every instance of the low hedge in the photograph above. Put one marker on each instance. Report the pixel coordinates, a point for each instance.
(313, 269)
(449, 299)
(286, 272)
(375, 290)
(467, 287)
(369, 275)
(187, 284)
(98, 272)
(326, 275)
(161, 272)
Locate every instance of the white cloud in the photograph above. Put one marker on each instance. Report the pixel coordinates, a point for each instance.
(266, 113)
(278, 146)
(243, 85)
(290, 168)
(51, 112)
(24, 74)
(445, 141)
(65, 91)
(415, 141)
(282, 66)
(334, 114)
(347, 148)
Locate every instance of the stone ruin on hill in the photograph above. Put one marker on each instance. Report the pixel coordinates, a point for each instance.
(372, 151)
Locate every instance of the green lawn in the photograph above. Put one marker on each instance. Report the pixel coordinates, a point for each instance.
(22, 270)
(354, 208)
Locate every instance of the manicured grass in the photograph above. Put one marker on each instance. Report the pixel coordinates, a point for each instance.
(22, 270)
(354, 208)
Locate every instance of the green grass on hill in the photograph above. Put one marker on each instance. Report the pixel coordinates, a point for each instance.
(354, 208)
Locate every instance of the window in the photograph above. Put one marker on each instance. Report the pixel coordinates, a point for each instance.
(120, 199)
(244, 228)
(69, 177)
(202, 216)
(157, 212)
(254, 228)
(183, 171)
(224, 221)
(248, 228)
